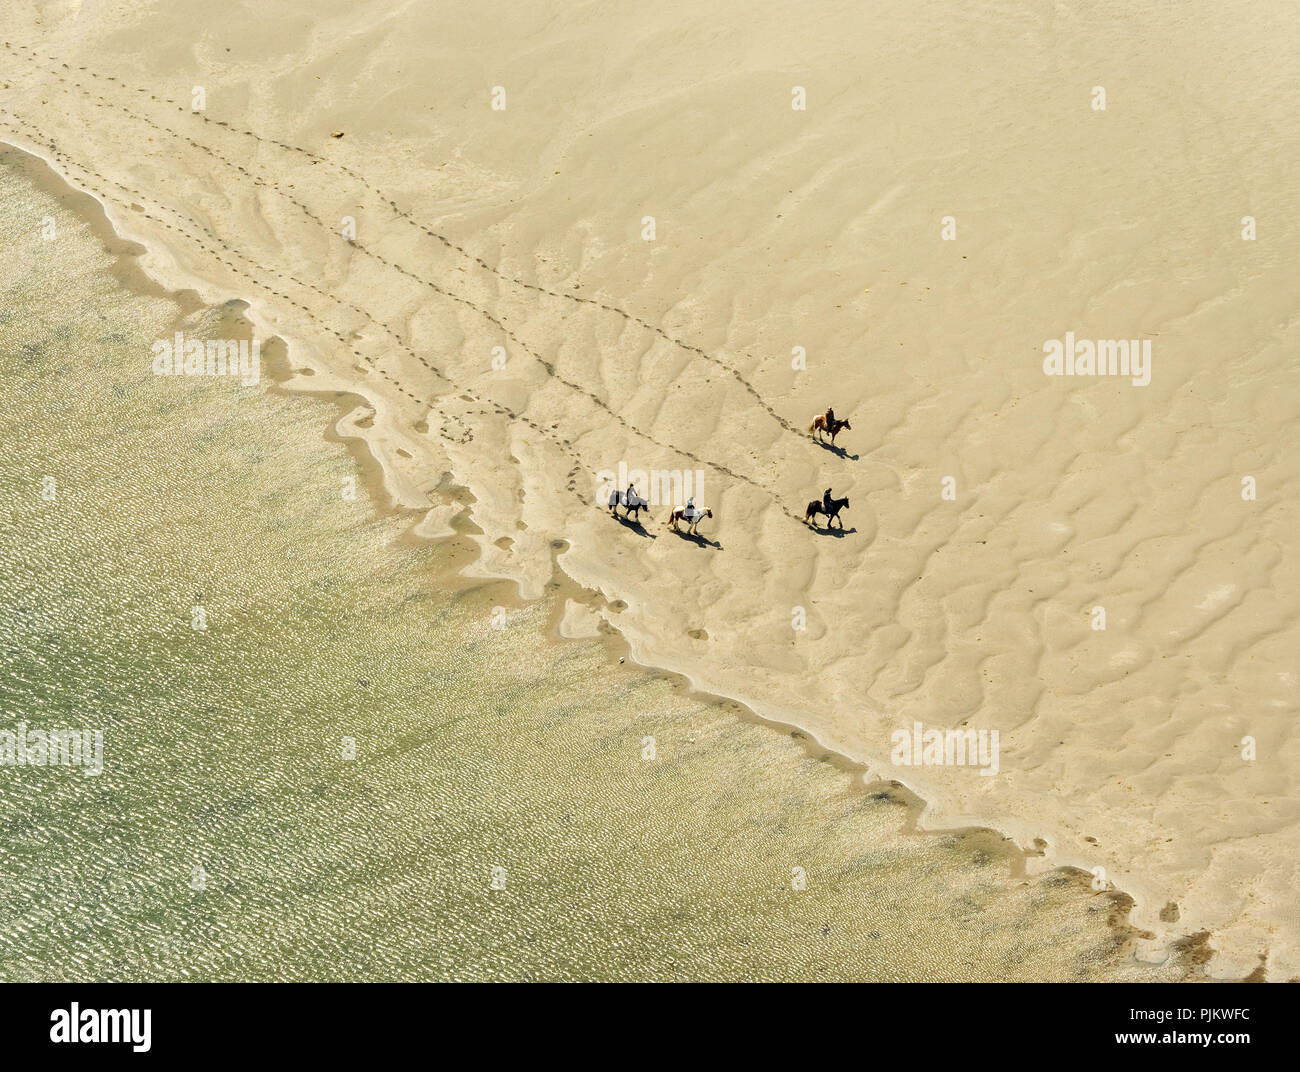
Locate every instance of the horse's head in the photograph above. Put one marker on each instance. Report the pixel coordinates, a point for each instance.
(845, 424)
(708, 513)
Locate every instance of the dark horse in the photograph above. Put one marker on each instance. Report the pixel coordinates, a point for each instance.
(632, 504)
(817, 507)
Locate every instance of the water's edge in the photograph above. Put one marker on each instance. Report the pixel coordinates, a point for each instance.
(463, 552)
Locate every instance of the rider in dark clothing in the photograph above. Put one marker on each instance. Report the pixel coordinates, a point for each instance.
(826, 501)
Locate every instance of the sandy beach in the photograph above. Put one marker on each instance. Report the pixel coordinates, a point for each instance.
(549, 245)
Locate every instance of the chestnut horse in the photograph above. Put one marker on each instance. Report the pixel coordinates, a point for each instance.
(818, 427)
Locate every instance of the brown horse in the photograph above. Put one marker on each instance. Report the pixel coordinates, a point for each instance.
(818, 427)
(680, 515)
(817, 507)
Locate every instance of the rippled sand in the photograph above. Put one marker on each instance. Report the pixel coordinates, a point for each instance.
(777, 231)
(229, 838)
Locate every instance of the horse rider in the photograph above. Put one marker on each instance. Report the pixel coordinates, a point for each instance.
(826, 501)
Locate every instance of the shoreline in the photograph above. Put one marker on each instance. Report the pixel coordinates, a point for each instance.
(459, 531)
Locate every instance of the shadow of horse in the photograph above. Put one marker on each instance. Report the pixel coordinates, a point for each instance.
(839, 452)
(698, 539)
(635, 526)
(836, 531)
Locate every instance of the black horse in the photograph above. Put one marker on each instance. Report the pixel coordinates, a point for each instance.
(833, 514)
(631, 504)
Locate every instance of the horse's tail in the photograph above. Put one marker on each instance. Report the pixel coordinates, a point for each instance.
(813, 427)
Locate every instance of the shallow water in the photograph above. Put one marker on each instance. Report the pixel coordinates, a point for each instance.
(230, 836)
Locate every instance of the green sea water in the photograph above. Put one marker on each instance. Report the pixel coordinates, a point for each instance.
(348, 772)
